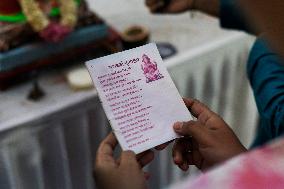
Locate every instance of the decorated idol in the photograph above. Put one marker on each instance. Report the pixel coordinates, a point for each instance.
(51, 20)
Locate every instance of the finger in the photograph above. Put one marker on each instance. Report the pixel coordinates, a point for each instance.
(169, 8)
(181, 147)
(188, 102)
(196, 107)
(151, 2)
(180, 150)
(199, 110)
(106, 148)
(194, 158)
(147, 175)
(163, 146)
(177, 154)
(194, 129)
(145, 158)
(128, 159)
(157, 8)
(155, 5)
(184, 166)
(189, 158)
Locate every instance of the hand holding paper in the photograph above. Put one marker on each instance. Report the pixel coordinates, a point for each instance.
(206, 142)
(139, 97)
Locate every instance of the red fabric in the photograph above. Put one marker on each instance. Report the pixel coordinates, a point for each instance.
(9, 7)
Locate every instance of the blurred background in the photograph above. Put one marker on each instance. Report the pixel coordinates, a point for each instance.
(51, 120)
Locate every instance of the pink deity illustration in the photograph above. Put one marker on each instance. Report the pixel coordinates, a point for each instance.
(150, 69)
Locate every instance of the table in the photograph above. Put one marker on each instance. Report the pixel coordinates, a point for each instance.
(51, 144)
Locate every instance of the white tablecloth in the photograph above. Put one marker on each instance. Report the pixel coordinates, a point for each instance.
(51, 144)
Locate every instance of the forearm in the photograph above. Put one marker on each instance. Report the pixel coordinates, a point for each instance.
(229, 11)
(266, 74)
(211, 7)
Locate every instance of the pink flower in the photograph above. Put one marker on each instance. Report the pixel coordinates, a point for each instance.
(55, 32)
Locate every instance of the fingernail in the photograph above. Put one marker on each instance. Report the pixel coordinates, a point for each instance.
(178, 126)
(184, 166)
(176, 160)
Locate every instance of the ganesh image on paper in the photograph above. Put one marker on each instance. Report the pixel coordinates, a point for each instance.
(150, 69)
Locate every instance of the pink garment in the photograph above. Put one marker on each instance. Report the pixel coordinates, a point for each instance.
(259, 169)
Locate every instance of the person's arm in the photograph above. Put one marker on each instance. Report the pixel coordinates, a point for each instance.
(230, 14)
(266, 75)
(179, 6)
(211, 7)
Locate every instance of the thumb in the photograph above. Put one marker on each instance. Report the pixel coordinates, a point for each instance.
(128, 158)
(194, 129)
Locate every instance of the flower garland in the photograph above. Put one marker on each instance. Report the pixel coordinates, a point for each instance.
(52, 32)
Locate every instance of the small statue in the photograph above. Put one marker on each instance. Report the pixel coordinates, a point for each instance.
(24, 21)
(150, 69)
(35, 14)
(36, 93)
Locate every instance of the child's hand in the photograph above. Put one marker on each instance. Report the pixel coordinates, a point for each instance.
(174, 6)
(125, 172)
(206, 142)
